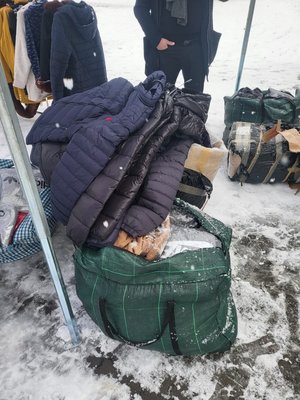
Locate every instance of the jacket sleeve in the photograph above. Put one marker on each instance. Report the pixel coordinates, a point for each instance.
(59, 57)
(143, 13)
(45, 45)
(31, 18)
(159, 189)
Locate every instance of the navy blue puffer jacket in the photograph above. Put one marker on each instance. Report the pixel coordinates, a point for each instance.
(65, 116)
(91, 144)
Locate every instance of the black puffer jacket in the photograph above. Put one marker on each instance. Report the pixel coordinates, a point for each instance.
(92, 202)
(151, 182)
(154, 201)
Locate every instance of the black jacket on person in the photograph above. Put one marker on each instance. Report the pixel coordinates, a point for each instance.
(148, 13)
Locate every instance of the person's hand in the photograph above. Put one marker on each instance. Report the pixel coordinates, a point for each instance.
(164, 44)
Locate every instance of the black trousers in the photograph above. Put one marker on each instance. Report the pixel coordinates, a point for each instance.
(186, 58)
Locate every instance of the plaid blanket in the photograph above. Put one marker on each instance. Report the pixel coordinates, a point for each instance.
(26, 241)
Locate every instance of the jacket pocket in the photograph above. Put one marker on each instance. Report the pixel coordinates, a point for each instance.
(213, 45)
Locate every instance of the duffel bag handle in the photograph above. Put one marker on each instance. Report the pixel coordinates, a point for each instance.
(210, 224)
(169, 319)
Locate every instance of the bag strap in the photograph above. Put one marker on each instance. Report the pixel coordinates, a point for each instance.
(279, 153)
(272, 132)
(247, 171)
(294, 169)
(169, 319)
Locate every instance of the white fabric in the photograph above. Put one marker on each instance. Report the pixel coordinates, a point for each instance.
(187, 235)
(23, 75)
(8, 216)
(12, 200)
(178, 246)
(11, 192)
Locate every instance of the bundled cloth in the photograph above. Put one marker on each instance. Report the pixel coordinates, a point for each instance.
(207, 160)
(200, 169)
(150, 246)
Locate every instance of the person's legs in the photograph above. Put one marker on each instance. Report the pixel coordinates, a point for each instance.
(170, 62)
(192, 67)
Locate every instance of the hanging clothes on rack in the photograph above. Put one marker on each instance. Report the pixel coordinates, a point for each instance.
(12, 23)
(76, 60)
(33, 18)
(7, 51)
(7, 55)
(24, 76)
(45, 43)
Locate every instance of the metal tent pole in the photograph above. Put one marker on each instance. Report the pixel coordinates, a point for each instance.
(245, 43)
(15, 140)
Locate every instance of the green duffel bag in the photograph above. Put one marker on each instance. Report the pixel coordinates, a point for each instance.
(279, 105)
(177, 305)
(256, 106)
(245, 105)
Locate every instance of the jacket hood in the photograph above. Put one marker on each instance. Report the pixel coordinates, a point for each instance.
(81, 19)
(193, 109)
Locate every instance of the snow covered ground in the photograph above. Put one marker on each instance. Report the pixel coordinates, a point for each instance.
(264, 363)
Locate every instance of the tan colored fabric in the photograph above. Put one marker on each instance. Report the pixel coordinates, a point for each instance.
(234, 161)
(5, 43)
(293, 137)
(206, 160)
(149, 246)
(270, 134)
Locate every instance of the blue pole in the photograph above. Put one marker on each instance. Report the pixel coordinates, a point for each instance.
(245, 43)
